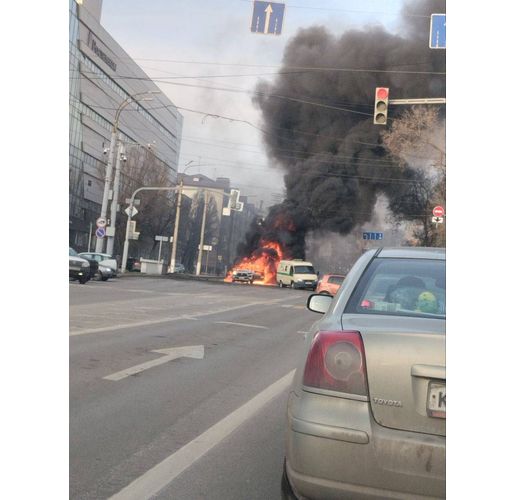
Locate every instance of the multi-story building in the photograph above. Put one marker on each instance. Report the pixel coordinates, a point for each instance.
(102, 77)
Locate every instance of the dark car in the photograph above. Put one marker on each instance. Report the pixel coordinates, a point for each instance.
(133, 264)
(81, 268)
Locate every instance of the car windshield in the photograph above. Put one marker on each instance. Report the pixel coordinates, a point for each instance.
(304, 270)
(72, 252)
(401, 287)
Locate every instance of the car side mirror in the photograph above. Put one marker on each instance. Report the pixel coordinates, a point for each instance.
(319, 303)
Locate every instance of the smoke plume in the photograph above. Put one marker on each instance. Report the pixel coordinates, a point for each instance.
(335, 168)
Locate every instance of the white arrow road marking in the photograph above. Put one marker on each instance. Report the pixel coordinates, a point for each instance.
(268, 12)
(192, 351)
(241, 324)
(155, 479)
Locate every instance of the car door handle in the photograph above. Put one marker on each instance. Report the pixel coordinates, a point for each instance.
(428, 371)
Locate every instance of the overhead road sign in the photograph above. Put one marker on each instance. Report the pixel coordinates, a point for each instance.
(372, 236)
(437, 31)
(267, 18)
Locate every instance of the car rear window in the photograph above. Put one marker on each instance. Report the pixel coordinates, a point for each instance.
(336, 280)
(401, 287)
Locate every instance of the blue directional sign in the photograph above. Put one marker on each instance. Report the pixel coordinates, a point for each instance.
(372, 236)
(438, 31)
(267, 18)
(100, 232)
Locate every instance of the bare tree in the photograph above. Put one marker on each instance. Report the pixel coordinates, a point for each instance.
(155, 212)
(417, 141)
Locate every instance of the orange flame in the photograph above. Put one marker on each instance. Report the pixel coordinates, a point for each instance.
(263, 261)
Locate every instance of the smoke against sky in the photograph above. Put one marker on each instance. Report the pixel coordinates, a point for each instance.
(160, 34)
(335, 167)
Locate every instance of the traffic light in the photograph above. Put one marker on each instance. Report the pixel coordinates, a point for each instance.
(233, 199)
(381, 102)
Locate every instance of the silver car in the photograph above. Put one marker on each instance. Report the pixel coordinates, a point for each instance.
(366, 415)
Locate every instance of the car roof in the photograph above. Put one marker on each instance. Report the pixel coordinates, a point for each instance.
(413, 253)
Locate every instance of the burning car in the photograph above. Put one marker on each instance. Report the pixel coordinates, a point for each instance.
(242, 276)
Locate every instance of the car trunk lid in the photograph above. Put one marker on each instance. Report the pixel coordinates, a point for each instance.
(405, 362)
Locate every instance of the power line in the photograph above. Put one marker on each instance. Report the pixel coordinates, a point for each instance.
(353, 11)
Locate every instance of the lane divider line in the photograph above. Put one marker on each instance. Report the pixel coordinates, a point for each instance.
(161, 320)
(162, 474)
(241, 324)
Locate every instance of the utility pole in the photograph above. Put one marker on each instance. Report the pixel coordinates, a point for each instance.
(201, 242)
(99, 244)
(114, 201)
(172, 266)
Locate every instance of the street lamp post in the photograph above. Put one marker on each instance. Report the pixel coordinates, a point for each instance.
(109, 168)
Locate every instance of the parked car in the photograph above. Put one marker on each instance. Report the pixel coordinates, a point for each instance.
(366, 415)
(133, 264)
(104, 273)
(243, 276)
(103, 259)
(329, 284)
(179, 268)
(79, 267)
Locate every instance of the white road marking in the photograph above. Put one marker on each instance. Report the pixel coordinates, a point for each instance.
(155, 479)
(293, 306)
(162, 320)
(241, 324)
(192, 351)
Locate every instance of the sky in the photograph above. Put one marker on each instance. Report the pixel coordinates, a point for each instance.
(216, 48)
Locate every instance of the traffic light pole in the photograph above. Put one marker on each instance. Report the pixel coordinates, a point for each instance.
(430, 100)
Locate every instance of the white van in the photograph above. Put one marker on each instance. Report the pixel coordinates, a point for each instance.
(296, 274)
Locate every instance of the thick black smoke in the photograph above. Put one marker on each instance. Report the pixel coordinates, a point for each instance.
(334, 165)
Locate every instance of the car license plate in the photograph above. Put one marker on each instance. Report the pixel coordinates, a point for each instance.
(436, 402)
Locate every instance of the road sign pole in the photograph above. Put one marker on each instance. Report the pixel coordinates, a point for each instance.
(114, 201)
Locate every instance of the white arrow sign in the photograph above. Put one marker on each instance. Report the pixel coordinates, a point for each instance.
(192, 351)
(268, 12)
(131, 213)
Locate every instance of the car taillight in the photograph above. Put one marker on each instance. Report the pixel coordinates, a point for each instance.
(336, 361)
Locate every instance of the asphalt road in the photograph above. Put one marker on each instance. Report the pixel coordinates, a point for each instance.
(207, 426)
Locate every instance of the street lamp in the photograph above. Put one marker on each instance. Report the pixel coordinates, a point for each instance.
(109, 168)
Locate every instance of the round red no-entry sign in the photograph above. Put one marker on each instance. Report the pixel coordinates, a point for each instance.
(438, 211)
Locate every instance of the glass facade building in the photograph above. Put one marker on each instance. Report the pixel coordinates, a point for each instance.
(102, 76)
